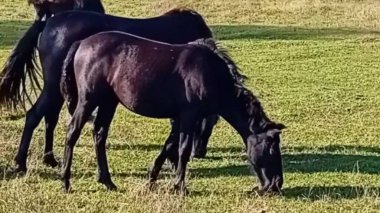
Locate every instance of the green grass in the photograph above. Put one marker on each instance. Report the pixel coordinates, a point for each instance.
(313, 63)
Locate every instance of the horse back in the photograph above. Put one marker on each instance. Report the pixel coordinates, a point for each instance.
(70, 26)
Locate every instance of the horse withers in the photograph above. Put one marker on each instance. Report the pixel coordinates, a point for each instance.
(160, 80)
(177, 26)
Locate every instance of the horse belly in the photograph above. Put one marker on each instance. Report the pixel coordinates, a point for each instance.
(153, 109)
(150, 101)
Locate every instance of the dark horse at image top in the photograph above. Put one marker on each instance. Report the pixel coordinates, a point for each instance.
(182, 82)
(177, 26)
(23, 55)
(46, 8)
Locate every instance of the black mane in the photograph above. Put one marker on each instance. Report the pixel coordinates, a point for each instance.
(223, 53)
(259, 120)
(178, 10)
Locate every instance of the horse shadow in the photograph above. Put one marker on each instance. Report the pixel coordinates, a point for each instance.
(7, 172)
(333, 192)
(268, 32)
(11, 30)
(307, 163)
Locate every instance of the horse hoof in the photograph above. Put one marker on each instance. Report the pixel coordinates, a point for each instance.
(49, 160)
(109, 184)
(66, 186)
(152, 186)
(19, 169)
(269, 193)
(111, 187)
(182, 191)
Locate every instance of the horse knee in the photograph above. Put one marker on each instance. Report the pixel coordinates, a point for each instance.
(72, 136)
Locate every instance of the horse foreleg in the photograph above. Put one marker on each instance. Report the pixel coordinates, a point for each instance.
(187, 124)
(203, 134)
(100, 133)
(33, 118)
(168, 151)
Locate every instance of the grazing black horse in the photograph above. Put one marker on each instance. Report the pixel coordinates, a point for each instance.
(160, 80)
(22, 56)
(177, 26)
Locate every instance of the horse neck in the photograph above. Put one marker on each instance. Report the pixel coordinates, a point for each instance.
(259, 119)
(246, 117)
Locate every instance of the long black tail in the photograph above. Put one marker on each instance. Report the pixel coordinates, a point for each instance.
(68, 83)
(19, 66)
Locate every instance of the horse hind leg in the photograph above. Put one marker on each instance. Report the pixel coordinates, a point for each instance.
(80, 116)
(33, 118)
(100, 132)
(51, 120)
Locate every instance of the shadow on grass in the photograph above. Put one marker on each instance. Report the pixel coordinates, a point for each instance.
(13, 117)
(336, 148)
(7, 173)
(230, 149)
(307, 193)
(310, 163)
(158, 147)
(293, 163)
(262, 32)
(143, 147)
(304, 163)
(54, 174)
(225, 171)
(334, 192)
(11, 31)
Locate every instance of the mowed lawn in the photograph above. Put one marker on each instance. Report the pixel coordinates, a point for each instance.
(315, 66)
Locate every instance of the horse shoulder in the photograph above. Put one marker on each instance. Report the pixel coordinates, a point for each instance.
(192, 65)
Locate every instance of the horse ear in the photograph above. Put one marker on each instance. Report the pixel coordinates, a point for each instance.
(273, 132)
(280, 126)
(273, 125)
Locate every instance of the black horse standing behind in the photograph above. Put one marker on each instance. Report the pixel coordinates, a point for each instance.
(177, 26)
(23, 55)
(47, 8)
(159, 80)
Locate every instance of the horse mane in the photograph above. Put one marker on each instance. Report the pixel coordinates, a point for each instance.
(223, 53)
(178, 10)
(254, 106)
(39, 2)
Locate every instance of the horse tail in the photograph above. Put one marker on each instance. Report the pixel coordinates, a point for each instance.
(69, 88)
(20, 65)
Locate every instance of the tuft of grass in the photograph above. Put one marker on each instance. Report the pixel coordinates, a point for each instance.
(313, 64)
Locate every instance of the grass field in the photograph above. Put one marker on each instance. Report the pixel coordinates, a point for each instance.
(313, 63)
